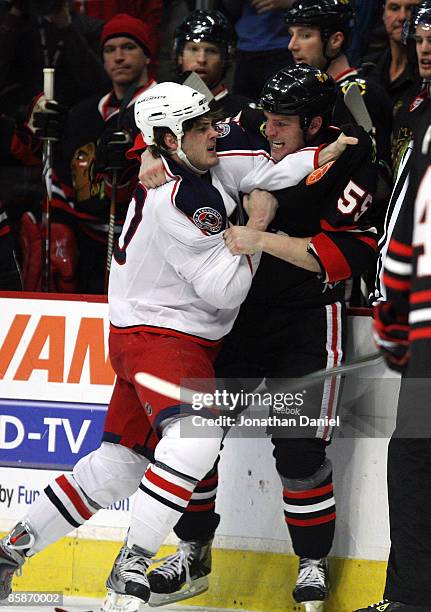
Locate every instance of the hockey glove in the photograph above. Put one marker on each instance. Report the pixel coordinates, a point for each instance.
(391, 334)
(111, 151)
(47, 119)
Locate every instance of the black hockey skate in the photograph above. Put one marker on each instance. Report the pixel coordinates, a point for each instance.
(182, 575)
(393, 606)
(311, 587)
(127, 583)
(12, 555)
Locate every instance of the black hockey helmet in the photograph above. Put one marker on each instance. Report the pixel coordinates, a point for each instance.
(420, 15)
(328, 15)
(205, 26)
(300, 90)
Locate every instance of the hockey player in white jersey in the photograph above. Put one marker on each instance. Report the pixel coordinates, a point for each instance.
(174, 292)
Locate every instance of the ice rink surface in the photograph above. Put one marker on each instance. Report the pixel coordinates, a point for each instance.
(80, 604)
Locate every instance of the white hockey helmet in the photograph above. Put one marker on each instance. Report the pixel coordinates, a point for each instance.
(168, 105)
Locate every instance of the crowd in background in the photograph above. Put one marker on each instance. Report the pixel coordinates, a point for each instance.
(90, 123)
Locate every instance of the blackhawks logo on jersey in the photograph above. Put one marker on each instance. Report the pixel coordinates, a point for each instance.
(344, 86)
(208, 220)
(322, 76)
(317, 174)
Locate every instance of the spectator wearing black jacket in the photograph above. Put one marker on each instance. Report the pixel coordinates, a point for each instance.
(391, 68)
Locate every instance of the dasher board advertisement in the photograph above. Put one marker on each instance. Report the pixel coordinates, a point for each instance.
(55, 380)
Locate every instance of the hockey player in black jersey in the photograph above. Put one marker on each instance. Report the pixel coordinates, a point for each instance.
(416, 37)
(320, 32)
(292, 323)
(403, 330)
(204, 43)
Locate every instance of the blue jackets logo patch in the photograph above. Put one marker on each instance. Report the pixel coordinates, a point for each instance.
(223, 129)
(208, 219)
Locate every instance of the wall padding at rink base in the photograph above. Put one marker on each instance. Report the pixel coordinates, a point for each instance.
(55, 384)
(243, 580)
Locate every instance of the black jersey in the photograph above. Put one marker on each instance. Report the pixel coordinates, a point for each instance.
(331, 206)
(231, 104)
(79, 190)
(405, 122)
(407, 271)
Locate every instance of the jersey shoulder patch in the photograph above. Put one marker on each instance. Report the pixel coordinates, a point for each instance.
(202, 203)
(317, 174)
(234, 137)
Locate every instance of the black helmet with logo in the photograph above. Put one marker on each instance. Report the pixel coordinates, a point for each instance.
(300, 90)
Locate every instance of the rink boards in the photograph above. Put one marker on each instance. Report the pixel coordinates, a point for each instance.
(55, 384)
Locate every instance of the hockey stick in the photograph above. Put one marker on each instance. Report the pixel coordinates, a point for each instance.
(48, 90)
(354, 101)
(122, 137)
(194, 81)
(111, 227)
(190, 396)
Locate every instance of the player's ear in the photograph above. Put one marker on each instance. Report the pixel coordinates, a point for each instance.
(170, 141)
(315, 125)
(335, 43)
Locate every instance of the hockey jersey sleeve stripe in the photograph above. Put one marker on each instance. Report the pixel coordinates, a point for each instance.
(420, 315)
(250, 264)
(331, 257)
(421, 333)
(398, 267)
(398, 248)
(420, 296)
(371, 242)
(395, 284)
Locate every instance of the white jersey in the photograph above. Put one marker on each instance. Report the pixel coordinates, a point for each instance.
(171, 271)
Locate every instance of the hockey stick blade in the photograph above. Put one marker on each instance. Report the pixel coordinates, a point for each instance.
(195, 82)
(190, 396)
(354, 101)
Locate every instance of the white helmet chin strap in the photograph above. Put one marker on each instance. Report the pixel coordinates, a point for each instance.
(185, 159)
